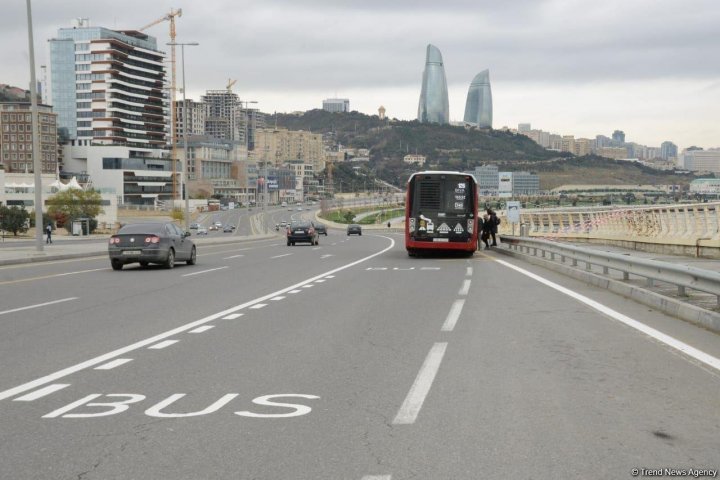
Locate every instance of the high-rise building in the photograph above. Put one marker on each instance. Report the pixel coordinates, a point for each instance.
(618, 137)
(16, 140)
(668, 150)
(195, 112)
(336, 105)
(488, 180)
(478, 106)
(107, 87)
(434, 106)
(699, 160)
(225, 118)
(279, 146)
(568, 143)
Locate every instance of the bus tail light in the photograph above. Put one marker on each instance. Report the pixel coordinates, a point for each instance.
(470, 225)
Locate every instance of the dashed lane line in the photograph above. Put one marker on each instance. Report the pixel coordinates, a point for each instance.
(294, 291)
(258, 306)
(453, 316)
(469, 272)
(465, 289)
(234, 256)
(410, 408)
(280, 256)
(233, 316)
(377, 477)
(165, 344)
(114, 363)
(277, 299)
(55, 275)
(202, 329)
(38, 305)
(189, 326)
(205, 271)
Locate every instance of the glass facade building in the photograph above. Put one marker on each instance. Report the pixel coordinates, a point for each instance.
(434, 106)
(478, 107)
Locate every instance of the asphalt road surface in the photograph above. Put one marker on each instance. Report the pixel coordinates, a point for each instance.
(347, 360)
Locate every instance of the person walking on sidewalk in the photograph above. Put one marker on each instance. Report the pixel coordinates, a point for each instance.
(48, 229)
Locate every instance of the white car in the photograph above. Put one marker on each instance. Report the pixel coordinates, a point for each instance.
(202, 231)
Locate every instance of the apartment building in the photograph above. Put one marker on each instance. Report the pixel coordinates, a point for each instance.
(16, 138)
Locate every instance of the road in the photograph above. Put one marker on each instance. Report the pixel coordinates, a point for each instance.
(348, 360)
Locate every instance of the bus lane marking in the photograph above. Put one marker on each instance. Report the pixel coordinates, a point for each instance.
(410, 408)
(42, 392)
(453, 316)
(52, 377)
(38, 305)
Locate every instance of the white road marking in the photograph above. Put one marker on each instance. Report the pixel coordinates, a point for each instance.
(234, 256)
(317, 248)
(683, 347)
(42, 392)
(81, 271)
(469, 272)
(259, 306)
(333, 244)
(421, 387)
(465, 287)
(280, 256)
(453, 316)
(327, 255)
(205, 271)
(319, 281)
(430, 268)
(233, 316)
(189, 326)
(330, 276)
(115, 363)
(38, 305)
(202, 329)
(307, 286)
(277, 299)
(377, 477)
(165, 344)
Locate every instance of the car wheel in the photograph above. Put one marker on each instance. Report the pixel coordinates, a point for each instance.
(360, 234)
(288, 243)
(116, 264)
(170, 262)
(193, 257)
(144, 264)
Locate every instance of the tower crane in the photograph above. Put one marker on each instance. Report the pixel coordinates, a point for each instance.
(230, 84)
(170, 17)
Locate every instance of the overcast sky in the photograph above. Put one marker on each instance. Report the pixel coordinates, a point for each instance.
(582, 67)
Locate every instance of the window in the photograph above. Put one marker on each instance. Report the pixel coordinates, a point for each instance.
(28, 118)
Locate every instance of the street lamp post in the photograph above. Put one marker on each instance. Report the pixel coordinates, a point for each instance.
(37, 153)
(183, 175)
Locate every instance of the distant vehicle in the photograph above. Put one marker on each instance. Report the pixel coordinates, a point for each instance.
(218, 224)
(228, 229)
(354, 229)
(194, 226)
(213, 227)
(146, 243)
(302, 231)
(321, 228)
(283, 204)
(299, 209)
(283, 224)
(202, 231)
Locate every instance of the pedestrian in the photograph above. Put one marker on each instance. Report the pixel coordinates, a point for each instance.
(486, 228)
(48, 229)
(494, 222)
(388, 223)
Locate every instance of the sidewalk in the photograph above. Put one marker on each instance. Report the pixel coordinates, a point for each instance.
(63, 248)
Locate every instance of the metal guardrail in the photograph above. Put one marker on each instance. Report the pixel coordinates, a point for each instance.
(653, 270)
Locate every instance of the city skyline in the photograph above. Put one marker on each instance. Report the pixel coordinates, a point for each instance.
(572, 67)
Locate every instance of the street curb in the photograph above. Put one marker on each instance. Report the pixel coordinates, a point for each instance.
(98, 253)
(684, 311)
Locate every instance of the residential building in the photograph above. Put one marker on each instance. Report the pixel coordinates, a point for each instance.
(668, 150)
(618, 137)
(525, 183)
(700, 160)
(583, 146)
(209, 166)
(107, 87)
(336, 105)
(16, 138)
(278, 146)
(414, 159)
(555, 142)
(434, 106)
(568, 144)
(488, 180)
(196, 116)
(616, 153)
(478, 106)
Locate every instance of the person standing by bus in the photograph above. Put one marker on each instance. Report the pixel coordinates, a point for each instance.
(485, 230)
(494, 222)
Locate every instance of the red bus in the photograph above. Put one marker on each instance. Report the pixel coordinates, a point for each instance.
(441, 211)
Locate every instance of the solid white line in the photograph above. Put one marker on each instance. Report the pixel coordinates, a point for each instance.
(165, 344)
(693, 352)
(115, 363)
(38, 305)
(421, 387)
(453, 316)
(81, 271)
(429, 268)
(234, 256)
(465, 287)
(294, 291)
(204, 271)
(42, 392)
(259, 306)
(469, 272)
(233, 316)
(277, 299)
(189, 326)
(202, 329)
(280, 256)
(377, 477)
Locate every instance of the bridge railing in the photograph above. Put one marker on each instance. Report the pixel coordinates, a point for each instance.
(683, 277)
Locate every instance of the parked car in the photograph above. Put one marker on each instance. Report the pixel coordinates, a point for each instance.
(146, 243)
(202, 231)
(194, 226)
(321, 229)
(302, 231)
(354, 229)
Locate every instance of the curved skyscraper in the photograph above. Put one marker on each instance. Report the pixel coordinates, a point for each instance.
(434, 106)
(478, 108)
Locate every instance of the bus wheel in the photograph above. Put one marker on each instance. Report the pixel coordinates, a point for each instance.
(411, 252)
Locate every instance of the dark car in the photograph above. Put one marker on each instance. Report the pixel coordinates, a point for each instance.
(145, 243)
(228, 229)
(321, 229)
(302, 231)
(354, 229)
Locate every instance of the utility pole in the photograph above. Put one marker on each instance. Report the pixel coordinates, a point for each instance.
(37, 153)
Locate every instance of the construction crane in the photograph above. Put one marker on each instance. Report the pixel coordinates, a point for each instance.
(170, 17)
(230, 84)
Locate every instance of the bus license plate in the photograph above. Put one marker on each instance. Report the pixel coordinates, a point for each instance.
(132, 252)
(441, 239)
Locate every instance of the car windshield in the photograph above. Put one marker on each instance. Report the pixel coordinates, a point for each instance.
(141, 228)
(300, 225)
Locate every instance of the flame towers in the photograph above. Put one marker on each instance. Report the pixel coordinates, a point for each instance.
(434, 106)
(478, 107)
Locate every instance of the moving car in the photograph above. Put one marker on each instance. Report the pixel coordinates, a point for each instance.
(194, 226)
(228, 229)
(354, 229)
(302, 231)
(321, 229)
(202, 231)
(146, 243)
(213, 227)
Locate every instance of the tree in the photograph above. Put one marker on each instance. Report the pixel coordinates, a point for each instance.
(75, 203)
(14, 219)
